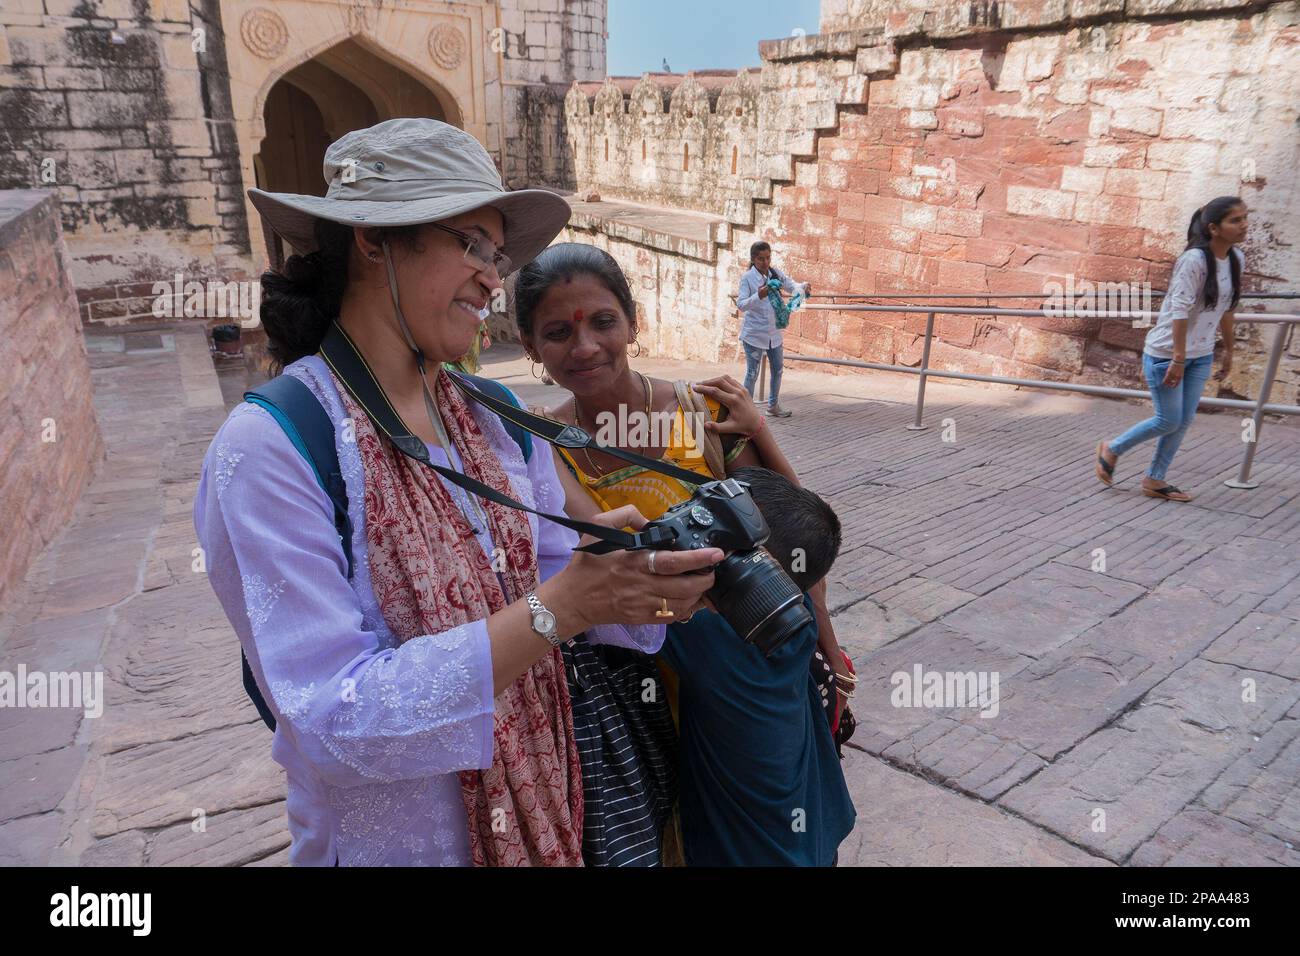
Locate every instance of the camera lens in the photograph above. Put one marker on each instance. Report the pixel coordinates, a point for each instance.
(758, 599)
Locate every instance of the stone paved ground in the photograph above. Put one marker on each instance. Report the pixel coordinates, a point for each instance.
(1148, 708)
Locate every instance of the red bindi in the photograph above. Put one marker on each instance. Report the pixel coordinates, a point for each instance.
(577, 315)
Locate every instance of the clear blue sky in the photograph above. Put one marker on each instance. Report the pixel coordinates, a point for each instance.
(699, 34)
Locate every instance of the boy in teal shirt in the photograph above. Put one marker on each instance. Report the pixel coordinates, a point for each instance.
(760, 780)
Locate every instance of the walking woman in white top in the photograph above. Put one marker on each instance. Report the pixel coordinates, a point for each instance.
(1179, 350)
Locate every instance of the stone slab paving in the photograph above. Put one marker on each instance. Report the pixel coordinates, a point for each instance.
(1147, 654)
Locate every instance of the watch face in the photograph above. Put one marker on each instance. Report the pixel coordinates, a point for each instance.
(543, 622)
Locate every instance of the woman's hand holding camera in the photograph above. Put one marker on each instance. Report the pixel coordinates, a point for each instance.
(631, 587)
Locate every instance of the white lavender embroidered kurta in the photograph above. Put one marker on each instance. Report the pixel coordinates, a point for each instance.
(370, 733)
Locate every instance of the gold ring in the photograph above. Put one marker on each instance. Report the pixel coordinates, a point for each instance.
(663, 611)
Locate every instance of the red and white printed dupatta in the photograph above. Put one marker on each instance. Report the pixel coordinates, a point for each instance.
(429, 574)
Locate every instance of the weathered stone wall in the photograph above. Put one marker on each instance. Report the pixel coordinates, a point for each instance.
(50, 442)
(921, 151)
(689, 142)
(109, 103)
(546, 45)
(148, 115)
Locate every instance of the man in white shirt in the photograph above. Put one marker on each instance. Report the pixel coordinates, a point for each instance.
(758, 331)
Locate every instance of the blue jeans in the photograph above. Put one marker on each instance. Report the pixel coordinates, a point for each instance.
(754, 355)
(1175, 409)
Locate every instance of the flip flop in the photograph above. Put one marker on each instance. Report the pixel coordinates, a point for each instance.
(1105, 470)
(1167, 492)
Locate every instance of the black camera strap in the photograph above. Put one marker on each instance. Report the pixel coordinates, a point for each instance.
(347, 363)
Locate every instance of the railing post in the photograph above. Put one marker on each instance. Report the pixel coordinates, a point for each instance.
(916, 425)
(761, 388)
(1242, 481)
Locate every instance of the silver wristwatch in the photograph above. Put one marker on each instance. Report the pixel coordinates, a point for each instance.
(543, 620)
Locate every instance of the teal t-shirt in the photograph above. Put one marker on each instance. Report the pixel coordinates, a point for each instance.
(760, 781)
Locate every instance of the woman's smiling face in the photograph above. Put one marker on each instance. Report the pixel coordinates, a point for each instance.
(441, 291)
(580, 334)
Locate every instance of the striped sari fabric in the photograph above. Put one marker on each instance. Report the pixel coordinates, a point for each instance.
(628, 752)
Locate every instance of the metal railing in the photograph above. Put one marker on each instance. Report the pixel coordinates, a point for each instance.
(1285, 324)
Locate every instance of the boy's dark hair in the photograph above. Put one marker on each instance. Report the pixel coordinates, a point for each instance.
(758, 247)
(800, 522)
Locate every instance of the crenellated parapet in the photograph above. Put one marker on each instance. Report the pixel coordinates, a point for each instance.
(687, 141)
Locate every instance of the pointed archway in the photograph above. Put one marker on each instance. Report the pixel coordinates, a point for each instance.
(342, 88)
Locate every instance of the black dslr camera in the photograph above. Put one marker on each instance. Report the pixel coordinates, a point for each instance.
(751, 590)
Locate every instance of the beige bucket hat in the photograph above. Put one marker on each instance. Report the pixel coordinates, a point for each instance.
(407, 171)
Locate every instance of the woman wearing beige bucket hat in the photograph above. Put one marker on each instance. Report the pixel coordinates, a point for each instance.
(412, 666)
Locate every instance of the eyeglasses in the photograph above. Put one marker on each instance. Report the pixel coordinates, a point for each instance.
(479, 251)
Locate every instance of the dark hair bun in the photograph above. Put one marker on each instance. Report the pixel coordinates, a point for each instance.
(301, 300)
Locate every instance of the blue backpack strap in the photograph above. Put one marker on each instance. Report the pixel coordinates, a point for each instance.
(304, 420)
(494, 388)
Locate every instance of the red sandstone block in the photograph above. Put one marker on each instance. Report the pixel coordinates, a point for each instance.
(1052, 350)
(847, 231)
(1010, 280)
(1122, 335)
(1069, 126)
(861, 282)
(862, 179)
(961, 121)
(814, 327)
(1124, 241)
(942, 247)
(850, 206)
(1040, 152)
(877, 157)
(886, 260)
(1142, 183)
(877, 342)
(891, 237)
(821, 201)
(1112, 269)
(1123, 364)
(818, 224)
(955, 329)
(1012, 368)
(844, 333)
(1000, 130)
(940, 192)
(856, 254)
(960, 222)
(992, 199)
(895, 136)
(1107, 210)
(991, 252)
(960, 276)
(994, 337)
(1043, 177)
(1036, 233)
(835, 278)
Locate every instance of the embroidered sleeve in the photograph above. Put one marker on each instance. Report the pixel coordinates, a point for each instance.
(359, 712)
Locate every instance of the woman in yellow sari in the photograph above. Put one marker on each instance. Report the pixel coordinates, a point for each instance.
(577, 319)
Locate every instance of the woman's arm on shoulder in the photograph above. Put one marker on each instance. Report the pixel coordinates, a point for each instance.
(744, 419)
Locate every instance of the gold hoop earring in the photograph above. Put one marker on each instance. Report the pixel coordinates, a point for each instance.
(532, 369)
(637, 343)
